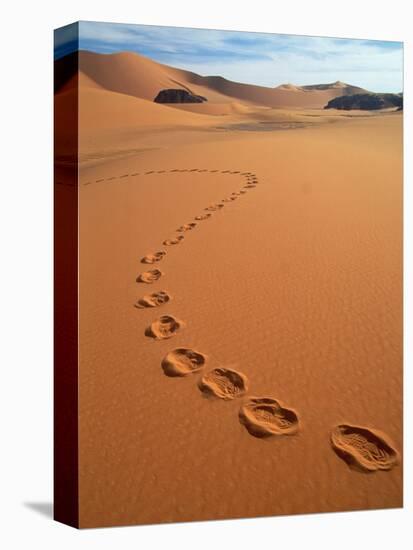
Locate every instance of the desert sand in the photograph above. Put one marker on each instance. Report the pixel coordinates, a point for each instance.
(240, 299)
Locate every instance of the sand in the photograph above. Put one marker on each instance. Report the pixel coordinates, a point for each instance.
(255, 367)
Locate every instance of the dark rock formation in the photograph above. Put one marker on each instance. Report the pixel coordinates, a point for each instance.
(178, 96)
(366, 102)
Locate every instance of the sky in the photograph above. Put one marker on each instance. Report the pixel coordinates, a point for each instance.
(253, 58)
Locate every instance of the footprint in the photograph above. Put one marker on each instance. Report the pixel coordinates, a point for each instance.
(203, 216)
(363, 449)
(164, 327)
(249, 186)
(243, 192)
(214, 207)
(183, 361)
(153, 300)
(224, 383)
(175, 240)
(149, 276)
(186, 227)
(153, 258)
(228, 199)
(265, 416)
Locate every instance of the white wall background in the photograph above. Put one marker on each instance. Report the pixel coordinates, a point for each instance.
(26, 272)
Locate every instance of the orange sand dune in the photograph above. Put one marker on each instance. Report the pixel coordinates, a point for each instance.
(217, 109)
(99, 107)
(136, 75)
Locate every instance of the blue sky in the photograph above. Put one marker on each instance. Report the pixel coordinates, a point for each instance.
(254, 58)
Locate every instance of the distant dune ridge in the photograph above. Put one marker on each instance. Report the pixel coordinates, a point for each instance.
(123, 73)
(341, 87)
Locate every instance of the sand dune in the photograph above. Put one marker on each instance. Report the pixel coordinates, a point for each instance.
(217, 109)
(289, 87)
(115, 101)
(122, 73)
(99, 107)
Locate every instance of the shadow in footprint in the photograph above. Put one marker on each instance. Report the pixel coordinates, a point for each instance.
(265, 416)
(174, 240)
(214, 207)
(203, 216)
(223, 383)
(153, 300)
(153, 258)
(186, 227)
(164, 327)
(183, 361)
(150, 276)
(363, 449)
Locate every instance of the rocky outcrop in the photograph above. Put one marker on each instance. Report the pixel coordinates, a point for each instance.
(178, 96)
(366, 102)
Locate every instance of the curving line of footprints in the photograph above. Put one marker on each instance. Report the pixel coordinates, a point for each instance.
(362, 448)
